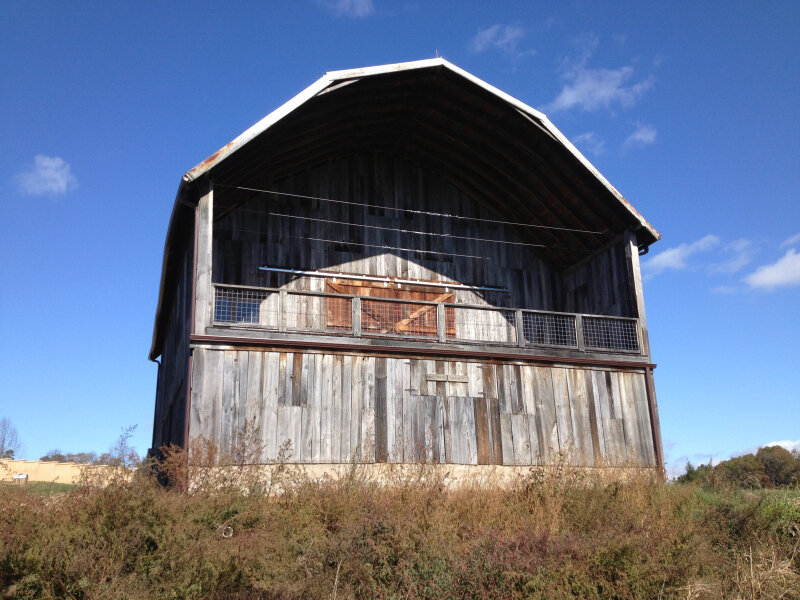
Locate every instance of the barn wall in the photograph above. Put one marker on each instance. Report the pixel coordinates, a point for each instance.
(334, 407)
(601, 285)
(169, 419)
(247, 237)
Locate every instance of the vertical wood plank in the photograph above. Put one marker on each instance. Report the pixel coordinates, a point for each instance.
(595, 420)
(356, 407)
(482, 430)
(578, 404)
(506, 437)
(255, 365)
(240, 394)
(283, 397)
(270, 403)
(198, 411)
(381, 425)
(566, 438)
(402, 391)
(643, 419)
(520, 439)
(368, 422)
(347, 399)
(297, 379)
(439, 420)
(307, 404)
(336, 411)
(552, 412)
(628, 402)
(228, 386)
(315, 404)
(326, 406)
(495, 430)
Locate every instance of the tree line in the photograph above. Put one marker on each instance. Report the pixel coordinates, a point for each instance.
(769, 467)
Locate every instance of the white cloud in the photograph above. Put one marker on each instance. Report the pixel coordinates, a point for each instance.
(501, 37)
(675, 258)
(352, 8)
(788, 444)
(783, 273)
(644, 135)
(594, 89)
(740, 253)
(795, 239)
(49, 175)
(590, 142)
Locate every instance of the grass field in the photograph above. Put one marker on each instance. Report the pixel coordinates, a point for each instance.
(554, 535)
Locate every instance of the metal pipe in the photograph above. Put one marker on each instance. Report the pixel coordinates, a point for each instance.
(459, 286)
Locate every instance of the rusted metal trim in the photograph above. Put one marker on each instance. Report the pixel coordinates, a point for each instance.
(650, 390)
(255, 342)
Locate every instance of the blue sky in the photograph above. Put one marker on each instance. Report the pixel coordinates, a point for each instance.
(692, 110)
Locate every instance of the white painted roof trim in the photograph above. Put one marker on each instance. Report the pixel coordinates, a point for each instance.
(332, 76)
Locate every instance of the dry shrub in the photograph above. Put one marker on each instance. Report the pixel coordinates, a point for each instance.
(241, 533)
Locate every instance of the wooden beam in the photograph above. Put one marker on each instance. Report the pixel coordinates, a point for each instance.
(203, 293)
(635, 282)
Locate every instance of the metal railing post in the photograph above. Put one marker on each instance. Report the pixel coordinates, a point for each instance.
(521, 341)
(355, 305)
(282, 307)
(579, 332)
(441, 325)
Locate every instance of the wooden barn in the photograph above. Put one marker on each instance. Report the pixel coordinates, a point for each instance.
(405, 264)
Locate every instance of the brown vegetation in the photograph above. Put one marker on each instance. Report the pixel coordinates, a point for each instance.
(554, 535)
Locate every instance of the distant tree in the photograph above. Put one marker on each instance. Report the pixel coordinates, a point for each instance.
(9, 439)
(121, 454)
(780, 465)
(744, 471)
(696, 475)
(82, 458)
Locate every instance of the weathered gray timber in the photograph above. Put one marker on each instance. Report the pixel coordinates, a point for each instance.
(400, 265)
(591, 417)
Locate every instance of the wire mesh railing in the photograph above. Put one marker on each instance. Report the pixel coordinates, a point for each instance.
(550, 329)
(604, 333)
(363, 316)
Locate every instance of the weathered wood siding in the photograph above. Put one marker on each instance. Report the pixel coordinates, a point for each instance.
(247, 237)
(170, 412)
(601, 286)
(336, 407)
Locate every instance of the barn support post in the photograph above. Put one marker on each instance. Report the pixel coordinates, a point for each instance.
(520, 328)
(655, 426)
(356, 319)
(635, 279)
(283, 304)
(203, 288)
(441, 322)
(579, 333)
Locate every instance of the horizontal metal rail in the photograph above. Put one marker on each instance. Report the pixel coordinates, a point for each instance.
(283, 310)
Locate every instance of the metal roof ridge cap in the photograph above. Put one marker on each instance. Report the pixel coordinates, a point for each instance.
(387, 68)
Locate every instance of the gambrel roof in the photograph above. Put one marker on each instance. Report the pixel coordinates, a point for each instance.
(493, 147)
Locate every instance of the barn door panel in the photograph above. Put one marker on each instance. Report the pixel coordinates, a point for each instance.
(408, 319)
